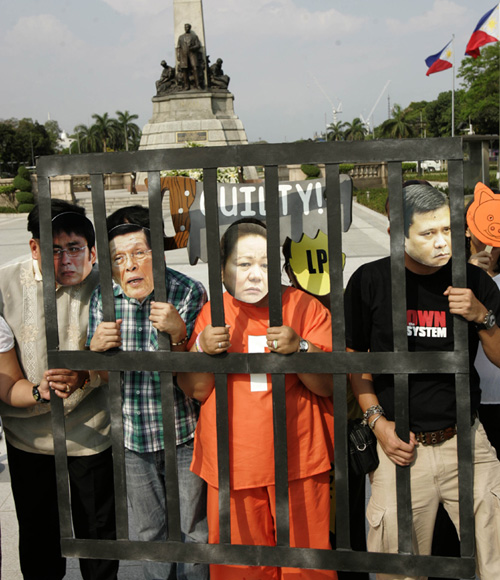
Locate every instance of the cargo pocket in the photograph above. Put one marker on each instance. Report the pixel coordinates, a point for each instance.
(378, 540)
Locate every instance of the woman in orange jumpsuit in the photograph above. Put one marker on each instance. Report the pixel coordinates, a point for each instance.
(309, 409)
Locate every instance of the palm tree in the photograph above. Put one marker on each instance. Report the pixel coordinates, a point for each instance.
(335, 131)
(105, 128)
(355, 131)
(86, 137)
(128, 129)
(399, 126)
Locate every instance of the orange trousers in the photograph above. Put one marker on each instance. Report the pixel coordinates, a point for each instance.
(253, 513)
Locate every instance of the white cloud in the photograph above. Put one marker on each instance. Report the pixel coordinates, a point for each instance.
(442, 12)
(278, 19)
(139, 7)
(40, 33)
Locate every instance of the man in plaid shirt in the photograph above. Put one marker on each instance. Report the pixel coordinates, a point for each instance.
(138, 319)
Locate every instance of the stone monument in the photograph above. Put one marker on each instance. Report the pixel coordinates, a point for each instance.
(192, 101)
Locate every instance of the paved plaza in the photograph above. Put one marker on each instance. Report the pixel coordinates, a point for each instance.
(367, 240)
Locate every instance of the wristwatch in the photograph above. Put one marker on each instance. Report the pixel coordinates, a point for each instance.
(488, 322)
(303, 345)
(37, 396)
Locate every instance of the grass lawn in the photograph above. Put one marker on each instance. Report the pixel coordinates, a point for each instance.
(375, 198)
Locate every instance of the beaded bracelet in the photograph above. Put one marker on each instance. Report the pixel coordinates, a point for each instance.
(197, 344)
(183, 341)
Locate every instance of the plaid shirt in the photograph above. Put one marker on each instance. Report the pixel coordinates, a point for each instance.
(141, 402)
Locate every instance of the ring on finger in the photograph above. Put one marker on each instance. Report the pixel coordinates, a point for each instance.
(68, 388)
(275, 344)
(220, 344)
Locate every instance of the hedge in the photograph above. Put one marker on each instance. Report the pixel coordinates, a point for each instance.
(21, 183)
(312, 171)
(7, 189)
(24, 173)
(7, 209)
(25, 207)
(25, 197)
(346, 167)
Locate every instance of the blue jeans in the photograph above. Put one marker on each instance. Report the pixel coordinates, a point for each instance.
(146, 492)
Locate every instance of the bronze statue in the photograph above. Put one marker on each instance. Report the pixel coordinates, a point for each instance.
(188, 47)
(166, 83)
(218, 79)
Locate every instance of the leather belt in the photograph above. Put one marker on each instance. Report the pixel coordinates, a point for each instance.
(435, 437)
(439, 435)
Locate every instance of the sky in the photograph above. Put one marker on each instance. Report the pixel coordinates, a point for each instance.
(290, 61)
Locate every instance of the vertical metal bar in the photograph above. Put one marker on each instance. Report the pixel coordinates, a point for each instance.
(166, 379)
(114, 378)
(462, 382)
(278, 381)
(334, 221)
(217, 312)
(101, 232)
(401, 399)
(52, 338)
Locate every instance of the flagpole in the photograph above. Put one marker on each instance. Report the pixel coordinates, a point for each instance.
(453, 89)
(498, 33)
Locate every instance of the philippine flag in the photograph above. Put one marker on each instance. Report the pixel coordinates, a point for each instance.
(440, 61)
(486, 31)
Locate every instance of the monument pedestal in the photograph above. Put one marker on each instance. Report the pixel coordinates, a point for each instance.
(204, 117)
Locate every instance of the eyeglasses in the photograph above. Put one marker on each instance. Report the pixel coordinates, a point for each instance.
(138, 256)
(72, 252)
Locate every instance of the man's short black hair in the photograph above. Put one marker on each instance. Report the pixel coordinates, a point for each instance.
(420, 198)
(73, 222)
(137, 215)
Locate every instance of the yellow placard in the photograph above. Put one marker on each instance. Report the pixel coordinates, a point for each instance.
(309, 262)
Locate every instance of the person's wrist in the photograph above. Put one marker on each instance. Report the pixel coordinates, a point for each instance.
(180, 341)
(85, 380)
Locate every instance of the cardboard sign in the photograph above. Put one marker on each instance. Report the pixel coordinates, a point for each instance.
(483, 216)
(302, 210)
(309, 262)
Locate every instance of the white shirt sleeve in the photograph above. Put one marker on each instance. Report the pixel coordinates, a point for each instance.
(6, 336)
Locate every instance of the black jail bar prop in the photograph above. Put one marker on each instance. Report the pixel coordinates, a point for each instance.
(401, 363)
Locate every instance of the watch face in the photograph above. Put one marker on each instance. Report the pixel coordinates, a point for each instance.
(303, 345)
(489, 320)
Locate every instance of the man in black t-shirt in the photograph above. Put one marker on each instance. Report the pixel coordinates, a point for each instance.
(431, 303)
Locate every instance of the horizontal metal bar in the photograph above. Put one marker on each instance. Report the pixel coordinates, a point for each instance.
(271, 556)
(334, 362)
(241, 155)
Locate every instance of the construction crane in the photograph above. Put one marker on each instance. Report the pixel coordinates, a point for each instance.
(367, 122)
(335, 108)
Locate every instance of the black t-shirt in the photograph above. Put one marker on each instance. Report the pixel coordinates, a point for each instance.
(368, 312)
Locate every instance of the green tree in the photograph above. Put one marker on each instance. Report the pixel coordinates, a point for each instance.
(355, 131)
(439, 114)
(86, 139)
(480, 81)
(7, 155)
(53, 131)
(335, 131)
(127, 128)
(417, 116)
(399, 125)
(105, 128)
(21, 142)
